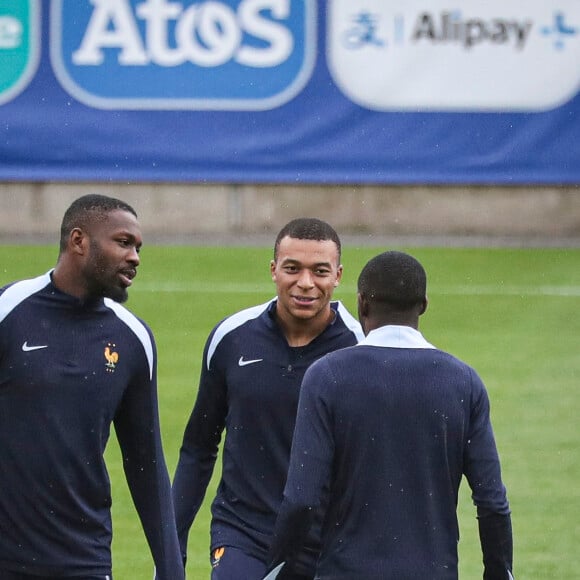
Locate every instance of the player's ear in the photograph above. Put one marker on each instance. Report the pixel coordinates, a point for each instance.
(273, 269)
(424, 306)
(363, 306)
(78, 241)
(338, 276)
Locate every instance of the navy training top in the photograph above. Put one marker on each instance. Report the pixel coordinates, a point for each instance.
(250, 384)
(391, 425)
(69, 368)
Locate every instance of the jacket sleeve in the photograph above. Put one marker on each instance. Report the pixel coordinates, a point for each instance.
(138, 431)
(310, 466)
(483, 472)
(495, 535)
(199, 448)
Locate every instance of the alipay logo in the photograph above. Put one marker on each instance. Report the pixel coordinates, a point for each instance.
(560, 31)
(430, 55)
(161, 54)
(362, 32)
(19, 45)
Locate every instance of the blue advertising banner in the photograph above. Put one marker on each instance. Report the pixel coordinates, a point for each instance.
(290, 91)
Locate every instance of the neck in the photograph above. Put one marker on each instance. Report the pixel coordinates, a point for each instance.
(64, 279)
(302, 332)
(373, 323)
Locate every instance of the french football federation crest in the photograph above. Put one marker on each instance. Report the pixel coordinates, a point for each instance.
(217, 556)
(112, 358)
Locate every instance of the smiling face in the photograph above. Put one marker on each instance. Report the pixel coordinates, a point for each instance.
(305, 272)
(112, 257)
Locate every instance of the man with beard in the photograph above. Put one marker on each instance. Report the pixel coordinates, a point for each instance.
(73, 361)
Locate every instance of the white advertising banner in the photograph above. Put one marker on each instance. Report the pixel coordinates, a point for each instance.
(439, 55)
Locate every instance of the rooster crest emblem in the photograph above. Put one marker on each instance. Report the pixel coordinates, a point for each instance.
(112, 357)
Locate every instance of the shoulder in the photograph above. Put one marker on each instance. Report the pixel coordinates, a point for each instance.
(133, 322)
(332, 376)
(336, 365)
(17, 292)
(141, 331)
(459, 366)
(231, 324)
(456, 372)
(350, 322)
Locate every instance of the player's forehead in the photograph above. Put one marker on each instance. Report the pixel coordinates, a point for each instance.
(121, 219)
(307, 252)
(118, 223)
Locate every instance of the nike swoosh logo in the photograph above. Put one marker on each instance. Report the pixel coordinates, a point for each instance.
(27, 348)
(243, 362)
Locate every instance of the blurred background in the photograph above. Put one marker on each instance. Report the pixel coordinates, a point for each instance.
(220, 121)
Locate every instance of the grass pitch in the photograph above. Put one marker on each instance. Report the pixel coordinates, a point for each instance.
(513, 314)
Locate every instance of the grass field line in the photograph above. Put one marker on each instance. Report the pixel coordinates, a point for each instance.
(460, 290)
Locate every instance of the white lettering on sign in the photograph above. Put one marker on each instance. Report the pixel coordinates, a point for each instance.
(206, 34)
(10, 32)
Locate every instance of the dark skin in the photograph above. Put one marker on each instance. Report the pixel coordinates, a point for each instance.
(373, 315)
(305, 272)
(100, 260)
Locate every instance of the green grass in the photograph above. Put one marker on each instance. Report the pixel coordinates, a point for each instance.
(510, 313)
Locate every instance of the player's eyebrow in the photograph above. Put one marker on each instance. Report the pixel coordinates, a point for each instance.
(294, 262)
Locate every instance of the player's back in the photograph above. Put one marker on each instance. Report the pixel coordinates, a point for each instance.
(401, 423)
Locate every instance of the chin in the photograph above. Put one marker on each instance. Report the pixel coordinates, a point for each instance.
(119, 295)
(304, 314)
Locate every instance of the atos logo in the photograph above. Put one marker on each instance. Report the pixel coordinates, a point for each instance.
(162, 54)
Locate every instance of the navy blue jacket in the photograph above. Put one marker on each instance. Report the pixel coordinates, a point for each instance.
(250, 383)
(391, 426)
(67, 370)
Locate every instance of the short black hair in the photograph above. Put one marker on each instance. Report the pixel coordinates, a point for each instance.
(308, 229)
(395, 278)
(86, 209)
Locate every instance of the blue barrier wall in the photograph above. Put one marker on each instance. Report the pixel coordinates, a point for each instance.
(290, 91)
